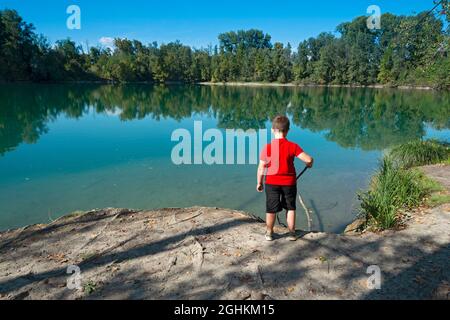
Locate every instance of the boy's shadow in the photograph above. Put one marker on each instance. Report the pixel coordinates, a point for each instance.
(279, 234)
(299, 233)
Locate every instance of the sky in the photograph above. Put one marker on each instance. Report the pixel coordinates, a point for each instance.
(197, 23)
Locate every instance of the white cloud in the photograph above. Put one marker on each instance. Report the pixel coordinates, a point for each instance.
(107, 42)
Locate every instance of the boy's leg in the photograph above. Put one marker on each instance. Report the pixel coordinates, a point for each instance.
(291, 220)
(272, 205)
(270, 221)
(290, 194)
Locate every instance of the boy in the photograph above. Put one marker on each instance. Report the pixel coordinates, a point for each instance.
(277, 164)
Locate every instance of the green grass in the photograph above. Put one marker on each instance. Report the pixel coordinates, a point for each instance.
(432, 185)
(398, 186)
(438, 199)
(89, 287)
(419, 153)
(87, 256)
(392, 188)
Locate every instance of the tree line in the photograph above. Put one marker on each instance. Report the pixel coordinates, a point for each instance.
(406, 50)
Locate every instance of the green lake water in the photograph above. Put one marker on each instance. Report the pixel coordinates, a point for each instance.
(77, 147)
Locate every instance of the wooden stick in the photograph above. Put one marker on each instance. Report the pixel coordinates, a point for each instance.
(308, 216)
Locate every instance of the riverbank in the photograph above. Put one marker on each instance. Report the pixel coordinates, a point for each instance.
(211, 253)
(231, 84)
(276, 84)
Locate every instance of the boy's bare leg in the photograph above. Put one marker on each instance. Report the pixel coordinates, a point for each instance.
(291, 220)
(270, 221)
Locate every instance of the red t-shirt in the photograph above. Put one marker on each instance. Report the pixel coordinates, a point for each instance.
(281, 169)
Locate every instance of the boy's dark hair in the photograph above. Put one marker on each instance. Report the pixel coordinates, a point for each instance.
(281, 123)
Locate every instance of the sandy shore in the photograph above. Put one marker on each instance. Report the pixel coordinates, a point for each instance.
(211, 253)
(275, 84)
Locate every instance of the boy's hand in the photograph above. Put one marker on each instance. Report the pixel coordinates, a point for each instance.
(259, 187)
(310, 164)
(307, 159)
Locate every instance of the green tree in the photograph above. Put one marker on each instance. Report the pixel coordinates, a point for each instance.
(16, 46)
(406, 50)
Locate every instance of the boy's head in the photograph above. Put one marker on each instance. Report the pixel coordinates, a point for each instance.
(281, 124)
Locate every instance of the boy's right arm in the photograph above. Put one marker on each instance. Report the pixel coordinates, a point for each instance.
(260, 176)
(307, 159)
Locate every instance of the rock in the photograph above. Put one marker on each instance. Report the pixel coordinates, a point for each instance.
(243, 295)
(260, 296)
(355, 226)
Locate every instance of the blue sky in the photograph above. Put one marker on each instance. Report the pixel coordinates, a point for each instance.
(197, 23)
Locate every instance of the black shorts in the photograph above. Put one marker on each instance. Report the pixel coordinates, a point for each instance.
(280, 197)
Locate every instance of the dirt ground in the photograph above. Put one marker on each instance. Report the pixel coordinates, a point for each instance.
(210, 253)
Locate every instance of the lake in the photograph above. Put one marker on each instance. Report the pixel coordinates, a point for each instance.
(74, 147)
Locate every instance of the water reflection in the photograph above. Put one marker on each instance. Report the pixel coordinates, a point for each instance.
(370, 119)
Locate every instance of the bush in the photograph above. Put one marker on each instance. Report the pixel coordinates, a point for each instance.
(419, 153)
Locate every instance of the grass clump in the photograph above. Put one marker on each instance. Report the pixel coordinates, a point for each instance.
(438, 199)
(419, 153)
(392, 188)
(398, 186)
(89, 287)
